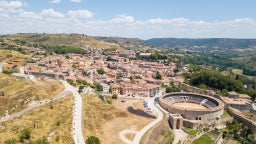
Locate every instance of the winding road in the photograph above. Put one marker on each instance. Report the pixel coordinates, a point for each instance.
(160, 116)
(77, 115)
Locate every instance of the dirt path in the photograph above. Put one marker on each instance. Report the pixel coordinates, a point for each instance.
(124, 132)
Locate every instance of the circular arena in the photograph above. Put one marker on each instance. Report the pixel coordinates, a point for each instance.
(192, 106)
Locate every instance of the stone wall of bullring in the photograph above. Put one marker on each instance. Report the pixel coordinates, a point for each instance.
(193, 114)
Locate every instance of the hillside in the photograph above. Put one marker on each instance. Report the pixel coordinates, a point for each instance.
(53, 121)
(128, 43)
(213, 43)
(18, 93)
(46, 41)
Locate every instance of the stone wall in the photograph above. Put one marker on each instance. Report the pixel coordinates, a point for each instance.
(51, 75)
(242, 118)
(191, 114)
(188, 88)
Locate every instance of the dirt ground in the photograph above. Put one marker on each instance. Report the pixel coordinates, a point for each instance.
(53, 121)
(188, 106)
(106, 121)
(159, 134)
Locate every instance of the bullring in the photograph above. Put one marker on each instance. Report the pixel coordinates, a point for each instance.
(192, 106)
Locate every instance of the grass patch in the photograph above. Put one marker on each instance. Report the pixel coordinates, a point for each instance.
(204, 139)
(191, 131)
(208, 138)
(226, 114)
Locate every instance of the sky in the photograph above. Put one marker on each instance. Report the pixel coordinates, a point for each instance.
(143, 19)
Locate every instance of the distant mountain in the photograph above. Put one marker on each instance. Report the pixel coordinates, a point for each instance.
(121, 40)
(212, 43)
(127, 43)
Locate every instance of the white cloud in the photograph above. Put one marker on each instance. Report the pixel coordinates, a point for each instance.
(55, 1)
(80, 14)
(52, 13)
(10, 4)
(76, 1)
(30, 15)
(4, 15)
(77, 21)
(122, 19)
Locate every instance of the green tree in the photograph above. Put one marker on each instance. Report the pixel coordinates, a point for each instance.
(158, 75)
(80, 89)
(25, 134)
(93, 140)
(100, 71)
(114, 96)
(98, 87)
(176, 70)
(70, 82)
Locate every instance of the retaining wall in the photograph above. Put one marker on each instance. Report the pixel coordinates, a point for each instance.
(242, 118)
(51, 75)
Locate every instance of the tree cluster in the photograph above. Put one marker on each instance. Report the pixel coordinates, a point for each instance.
(239, 132)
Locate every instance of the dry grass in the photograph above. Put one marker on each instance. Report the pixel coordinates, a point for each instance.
(75, 40)
(19, 92)
(160, 133)
(106, 121)
(43, 121)
(130, 136)
(12, 57)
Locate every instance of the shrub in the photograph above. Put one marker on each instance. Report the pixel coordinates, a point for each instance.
(101, 71)
(114, 96)
(25, 134)
(1, 93)
(41, 141)
(57, 138)
(11, 141)
(205, 129)
(93, 140)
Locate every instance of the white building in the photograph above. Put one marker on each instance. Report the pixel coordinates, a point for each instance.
(1, 68)
(105, 87)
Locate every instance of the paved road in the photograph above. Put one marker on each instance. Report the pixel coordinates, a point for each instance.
(77, 115)
(35, 105)
(139, 135)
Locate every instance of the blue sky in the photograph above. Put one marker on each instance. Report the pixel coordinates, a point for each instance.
(131, 18)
